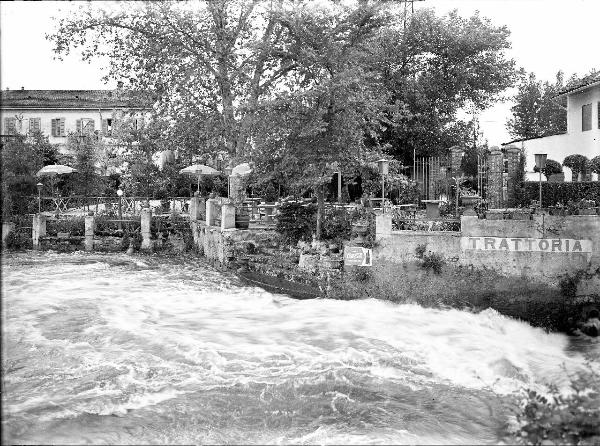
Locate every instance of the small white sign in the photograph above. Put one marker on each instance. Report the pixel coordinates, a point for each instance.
(517, 244)
(358, 256)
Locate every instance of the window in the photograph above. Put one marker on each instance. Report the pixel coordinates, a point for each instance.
(107, 126)
(85, 126)
(58, 127)
(35, 125)
(586, 117)
(10, 126)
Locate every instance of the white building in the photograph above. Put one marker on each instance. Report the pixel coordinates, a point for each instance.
(583, 127)
(60, 112)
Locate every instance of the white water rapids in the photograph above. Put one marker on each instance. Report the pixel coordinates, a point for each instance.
(146, 350)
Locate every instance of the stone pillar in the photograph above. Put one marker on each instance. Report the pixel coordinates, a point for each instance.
(38, 230)
(7, 228)
(513, 155)
(89, 232)
(495, 164)
(456, 156)
(383, 226)
(197, 208)
(227, 216)
(210, 212)
(146, 220)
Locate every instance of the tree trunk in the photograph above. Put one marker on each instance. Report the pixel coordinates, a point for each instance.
(320, 210)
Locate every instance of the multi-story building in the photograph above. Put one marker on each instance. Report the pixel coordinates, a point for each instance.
(583, 126)
(57, 113)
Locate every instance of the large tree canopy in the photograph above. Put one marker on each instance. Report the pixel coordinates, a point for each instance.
(213, 65)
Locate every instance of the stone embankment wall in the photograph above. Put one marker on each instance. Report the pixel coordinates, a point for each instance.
(545, 248)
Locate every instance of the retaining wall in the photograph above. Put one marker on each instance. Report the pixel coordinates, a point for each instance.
(545, 248)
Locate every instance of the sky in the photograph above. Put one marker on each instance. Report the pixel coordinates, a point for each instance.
(546, 36)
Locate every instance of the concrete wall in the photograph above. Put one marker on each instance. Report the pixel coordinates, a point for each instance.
(547, 265)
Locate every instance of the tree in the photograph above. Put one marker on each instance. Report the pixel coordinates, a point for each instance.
(595, 164)
(209, 62)
(524, 121)
(552, 167)
(331, 123)
(435, 67)
(22, 157)
(86, 151)
(578, 164)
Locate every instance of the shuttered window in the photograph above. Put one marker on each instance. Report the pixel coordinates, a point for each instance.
(107, 127)
(35, 125)
(58, 127)
(10, 126)
(85, 126)
(586, 117)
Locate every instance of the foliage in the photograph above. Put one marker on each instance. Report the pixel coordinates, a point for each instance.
(296, 222)
(336, 225)
(536, 112)
(420, 250)
(18, 241)
(85, 153)
(131, 237)
(560, 193)
(578, 164)
(564, 418)
(595, 164)
(435, 67)
(433, 261)
(22, 157)
(552, 167)
(75, 226)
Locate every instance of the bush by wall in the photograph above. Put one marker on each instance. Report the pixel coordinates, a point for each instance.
(18, 241)
(296, 222)
(560, 193)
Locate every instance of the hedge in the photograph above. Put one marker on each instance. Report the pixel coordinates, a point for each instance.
(555, 193)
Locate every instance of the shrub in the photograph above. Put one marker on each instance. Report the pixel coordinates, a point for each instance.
(595, 164)
(420, 250)
(563, 419)
(560, 193)
(551, 168)
(73, 225)
(577, 164)
(18, 241)
(296, 222)
(336, 225)
(433, 261)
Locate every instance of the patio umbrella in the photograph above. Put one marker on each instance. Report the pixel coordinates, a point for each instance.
(241, 169)
(54, 169)
(199, 170)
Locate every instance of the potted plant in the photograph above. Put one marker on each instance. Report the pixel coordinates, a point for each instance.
(469, 199)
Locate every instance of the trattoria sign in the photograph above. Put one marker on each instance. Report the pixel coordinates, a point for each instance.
(525, 244)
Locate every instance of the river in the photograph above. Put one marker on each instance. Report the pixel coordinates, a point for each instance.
(146, 350)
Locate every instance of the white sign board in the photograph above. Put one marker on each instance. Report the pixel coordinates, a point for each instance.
(561, 245)
(358, 256)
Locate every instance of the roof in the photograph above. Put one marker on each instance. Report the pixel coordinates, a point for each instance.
(77, 99)
(582, 84)
(530, 138)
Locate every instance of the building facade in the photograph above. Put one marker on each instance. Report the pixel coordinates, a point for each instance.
(58, 113)
(583, 127)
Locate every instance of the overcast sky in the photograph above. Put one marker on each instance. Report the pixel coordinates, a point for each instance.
(547, 36)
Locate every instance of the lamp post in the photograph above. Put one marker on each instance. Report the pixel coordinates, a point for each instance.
(383, 170)
(39, 186)
(120, 194)
(228, 171)
(540, 163)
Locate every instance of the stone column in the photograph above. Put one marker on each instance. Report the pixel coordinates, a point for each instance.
(146, 220)
(89, 232)
(38, 230)
(210, 211)
(383, 226)
(513, 155)
(495, 164)
(227, 216)
(197, 208)
(7, 228)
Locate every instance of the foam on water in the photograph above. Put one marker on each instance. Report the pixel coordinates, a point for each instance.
(174, 346)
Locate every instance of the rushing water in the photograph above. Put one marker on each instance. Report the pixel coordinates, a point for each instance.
(117, 349)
